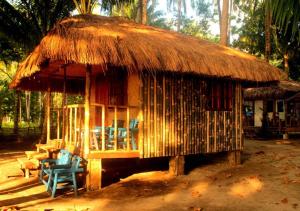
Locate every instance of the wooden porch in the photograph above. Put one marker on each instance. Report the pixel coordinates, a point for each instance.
(113, 131)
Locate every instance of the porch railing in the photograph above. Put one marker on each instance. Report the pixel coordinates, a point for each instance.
(112, 128)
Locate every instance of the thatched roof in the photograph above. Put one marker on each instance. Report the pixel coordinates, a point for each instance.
(282, 90)
(113, 41)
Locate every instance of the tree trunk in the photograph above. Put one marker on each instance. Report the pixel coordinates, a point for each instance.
(41, 109)
(20, 108)
(179, 15)
(17, 108)
(1, 113)
(286, 62)
(224, 23)
(219, 12)
(43, 138)
(267, 33)
(143, 11)
(27, 105)
(229, 21)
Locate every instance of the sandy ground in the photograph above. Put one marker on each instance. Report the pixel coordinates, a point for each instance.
(268, 179)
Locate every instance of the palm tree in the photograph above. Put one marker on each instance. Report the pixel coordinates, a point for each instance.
(143, 9)
(286, 17)
(224, 23)
(268, 22)
(286, 14)
(181, 4)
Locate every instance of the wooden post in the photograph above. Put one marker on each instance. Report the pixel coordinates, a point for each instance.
(176, 165)
(115, 128)
(87, 111)
(48, 113)
(94, 176)
(102, 126)
(58, 118)
(64, 102)
(234, 158)
(127, 128)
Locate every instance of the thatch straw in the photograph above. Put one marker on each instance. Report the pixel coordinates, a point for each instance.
(104, 41)
(282, 90)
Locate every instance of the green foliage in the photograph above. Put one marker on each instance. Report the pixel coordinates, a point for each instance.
(130, 10)
(286, 15)
(25, 22)
(6, 96)
(200, 27)
(251, 17)
(252, 32)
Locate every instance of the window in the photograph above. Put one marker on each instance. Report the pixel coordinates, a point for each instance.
(270, 106)
(280, 106)
(219, 96)
(118, 89)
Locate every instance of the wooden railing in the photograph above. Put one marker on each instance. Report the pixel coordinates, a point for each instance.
(103, 136)
(56, 123)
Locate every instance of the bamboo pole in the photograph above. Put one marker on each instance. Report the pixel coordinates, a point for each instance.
(127, 128)
(241, 120)
(75, 126)
(102, 127)
(215, 131)
(57, 122)
(87, 110)
(63, 108)
(48, 113)
(155, 117)
(149, 116)
(207, 131)
(173, 138)
(180, 114)
(164, 115)
(115, 128)
(235, 116)
(224, 130)
(71, 126)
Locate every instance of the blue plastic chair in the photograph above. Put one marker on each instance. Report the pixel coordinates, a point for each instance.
(109, 133)
(65, 174)
(133, 129)
(46, 164)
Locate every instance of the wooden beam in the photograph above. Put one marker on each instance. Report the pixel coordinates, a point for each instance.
(87, 110)
(127, 129)
(102, 127)
(58, 124)
(64, 102)
(113, 154)
(115, 128)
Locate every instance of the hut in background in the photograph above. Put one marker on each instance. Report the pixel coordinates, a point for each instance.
(148, 92)
(275, 109)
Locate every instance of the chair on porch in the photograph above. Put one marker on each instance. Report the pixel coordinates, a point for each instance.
(65, 174)
(122, 134)
(109, 133)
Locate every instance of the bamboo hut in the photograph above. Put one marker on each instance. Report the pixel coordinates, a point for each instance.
(148, 92)
(277, 107)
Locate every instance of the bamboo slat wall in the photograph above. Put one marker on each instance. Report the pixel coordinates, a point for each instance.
(177, 122)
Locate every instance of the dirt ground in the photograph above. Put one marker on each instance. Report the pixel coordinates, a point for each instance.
(268, 179)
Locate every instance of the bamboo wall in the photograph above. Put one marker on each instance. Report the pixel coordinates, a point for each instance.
(177, 122)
